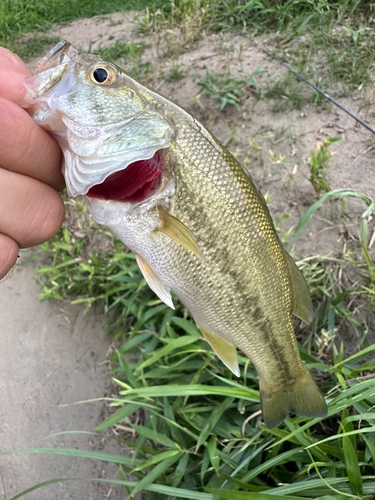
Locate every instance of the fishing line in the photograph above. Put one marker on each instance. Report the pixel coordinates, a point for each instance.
(272, 56)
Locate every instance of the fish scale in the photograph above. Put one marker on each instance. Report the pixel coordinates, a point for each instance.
(204, 232)
(235, 325)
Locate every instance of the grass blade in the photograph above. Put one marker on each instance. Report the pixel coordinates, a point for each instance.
(336, 193)
(40, 485)
(212, 421)
(240, 495)
(350, 455)
(71, 452)
(194, 390)
(119, 415)
(171, 346)
(155, 473)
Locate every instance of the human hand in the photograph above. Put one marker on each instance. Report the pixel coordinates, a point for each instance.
(31, 211)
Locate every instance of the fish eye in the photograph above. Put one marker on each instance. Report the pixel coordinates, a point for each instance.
(103, 74)
(100, 75)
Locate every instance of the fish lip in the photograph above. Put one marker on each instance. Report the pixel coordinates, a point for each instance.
(63, 52)
(49, 71)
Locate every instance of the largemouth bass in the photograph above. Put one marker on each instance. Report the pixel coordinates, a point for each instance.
(192, 215)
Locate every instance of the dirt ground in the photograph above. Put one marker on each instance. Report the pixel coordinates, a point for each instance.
(52, 356)
(65, 353)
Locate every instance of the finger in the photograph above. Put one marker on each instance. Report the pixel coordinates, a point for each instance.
(26, 148)
(30, 211)
(13, 71)
(8, 254)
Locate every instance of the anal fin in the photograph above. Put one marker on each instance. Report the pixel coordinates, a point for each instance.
(223, 349)
(154, 282)
(177, 231)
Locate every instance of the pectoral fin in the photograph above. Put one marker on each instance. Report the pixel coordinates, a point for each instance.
(223, 349)
(301, 300)
(177, 231)
(154, 282)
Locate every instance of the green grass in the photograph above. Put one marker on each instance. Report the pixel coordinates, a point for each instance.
(18, 17)
(197, 436)
(229, 90)
(338, 43)
(121, 51)
(128, 56)
(320, 163)
(261, 15)
(327, 41)
(176, 74)
(290, 93)
(197, 440)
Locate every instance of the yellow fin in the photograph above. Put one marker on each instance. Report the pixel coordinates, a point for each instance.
(302, 398)
(154, 282)
(177, 231)
(301, 299)
(223, 349)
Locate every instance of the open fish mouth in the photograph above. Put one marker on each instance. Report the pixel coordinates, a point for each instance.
(137, 182)
(113, 142)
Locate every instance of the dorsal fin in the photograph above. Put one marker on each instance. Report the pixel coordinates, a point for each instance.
(301, 299)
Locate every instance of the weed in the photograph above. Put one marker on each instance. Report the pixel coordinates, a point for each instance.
(227, 89)
(109, 279)
(175, 74)
(276, 159)
(122, 51)
(288, 93)
(319, 164)
(351, 57)
(174, 24)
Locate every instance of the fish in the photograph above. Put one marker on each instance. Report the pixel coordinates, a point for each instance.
(193, 216)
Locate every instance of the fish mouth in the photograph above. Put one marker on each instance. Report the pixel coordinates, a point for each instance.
(50, 70)
(62, 53)
(134, 184)
(120, 160)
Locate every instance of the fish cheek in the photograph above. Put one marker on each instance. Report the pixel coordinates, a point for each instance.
(99, 106)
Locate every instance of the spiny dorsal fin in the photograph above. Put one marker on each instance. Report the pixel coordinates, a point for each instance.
(154, 282)
(301, 299)
(177, 231)
(223, 349)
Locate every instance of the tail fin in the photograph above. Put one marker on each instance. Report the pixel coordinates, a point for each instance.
(301, 397)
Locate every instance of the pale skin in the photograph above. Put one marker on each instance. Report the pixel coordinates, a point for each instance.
(31, 210)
